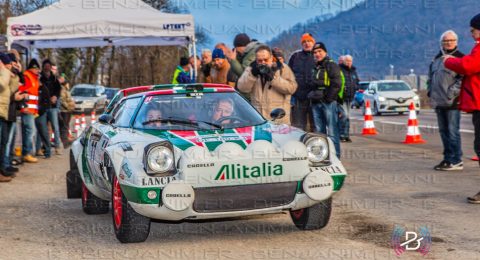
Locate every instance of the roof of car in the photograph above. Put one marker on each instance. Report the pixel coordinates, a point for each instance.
(388, 81)
(178, 89)
(88, 86)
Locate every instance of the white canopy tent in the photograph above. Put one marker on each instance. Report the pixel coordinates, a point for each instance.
(97, 23)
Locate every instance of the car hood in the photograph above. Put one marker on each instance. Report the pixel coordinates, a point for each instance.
(397, 94)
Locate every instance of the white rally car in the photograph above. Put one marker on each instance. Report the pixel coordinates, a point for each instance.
(199, 152)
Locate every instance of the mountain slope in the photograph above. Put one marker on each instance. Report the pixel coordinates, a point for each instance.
(378, 33)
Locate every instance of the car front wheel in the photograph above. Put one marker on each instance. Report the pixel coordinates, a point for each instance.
(129, 226)
(314, 217)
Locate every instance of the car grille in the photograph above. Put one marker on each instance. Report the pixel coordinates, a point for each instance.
(246, 197)
(78, 102)
(399, 100)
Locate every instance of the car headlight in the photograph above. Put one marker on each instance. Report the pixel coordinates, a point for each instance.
(416, 98)
(317, 149)
(159, 159)
(381, 99)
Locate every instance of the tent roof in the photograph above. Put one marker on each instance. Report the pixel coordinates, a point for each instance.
(91, 23)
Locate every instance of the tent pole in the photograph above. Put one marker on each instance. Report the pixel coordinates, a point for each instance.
(195, 58)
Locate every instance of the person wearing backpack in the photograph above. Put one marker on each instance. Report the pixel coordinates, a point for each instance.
(327, 83)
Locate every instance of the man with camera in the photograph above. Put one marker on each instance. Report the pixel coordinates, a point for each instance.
(327, 82)
(270, 84)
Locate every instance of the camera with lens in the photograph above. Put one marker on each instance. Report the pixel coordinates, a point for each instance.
(23, 102)
(264, 69)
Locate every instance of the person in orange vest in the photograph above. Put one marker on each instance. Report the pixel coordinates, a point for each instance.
(29, 109)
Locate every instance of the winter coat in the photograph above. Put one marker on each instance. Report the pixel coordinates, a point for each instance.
(5, 93)
(219, 75)
(351, 82)
(327, 82)
(275, 94)
(302, 64)
(469, 66)
(244, 60)
(12, 109)
(67, 104)
(180, 76)
(443, 84)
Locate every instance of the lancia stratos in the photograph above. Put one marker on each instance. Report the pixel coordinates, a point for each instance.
(193, 152)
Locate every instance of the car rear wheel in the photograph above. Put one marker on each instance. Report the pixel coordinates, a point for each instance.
(314, 217)
(129, 226)
(91, 204)
(74, 184)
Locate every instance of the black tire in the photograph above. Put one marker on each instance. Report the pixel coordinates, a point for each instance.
(74, 184)
(129, 226)
(93, 205)
(314, 217)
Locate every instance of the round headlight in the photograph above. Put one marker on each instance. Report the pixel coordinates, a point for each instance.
(160, 159)
(317, 149)
(415, 98)
(381, 99)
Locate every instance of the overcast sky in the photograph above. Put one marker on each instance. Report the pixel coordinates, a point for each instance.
(260, 19)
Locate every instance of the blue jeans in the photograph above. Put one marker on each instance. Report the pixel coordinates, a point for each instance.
(449, 128)
(28, 128)
(52, 117)
(42, 134)
(325, 118)
(9, 134)
(344, 119)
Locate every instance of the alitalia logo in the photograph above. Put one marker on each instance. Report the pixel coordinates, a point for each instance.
(237, 171)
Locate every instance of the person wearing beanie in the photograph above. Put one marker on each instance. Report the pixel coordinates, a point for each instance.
(302, 63)
(8, 126)
(269, 83)
(220, 67)
(5, 77)
(30, 109)
(469, 67)
(182, 72)
(326, 85)
(243, 54)
(278, 54)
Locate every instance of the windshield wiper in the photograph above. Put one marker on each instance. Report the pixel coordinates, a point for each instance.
(170, 120)
(181, 121)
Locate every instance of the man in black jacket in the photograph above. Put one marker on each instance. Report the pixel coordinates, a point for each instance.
(50, 81)
(326, 83)
(302, 64)
(351, 86)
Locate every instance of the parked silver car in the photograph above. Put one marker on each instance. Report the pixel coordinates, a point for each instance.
(390, 96)
(89, 97)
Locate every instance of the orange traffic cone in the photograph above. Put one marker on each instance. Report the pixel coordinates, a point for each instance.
(413, 132)
(84, 123)
(475, 158)
(92, 117)
(76, 128)
(368, 126)
(52, 138)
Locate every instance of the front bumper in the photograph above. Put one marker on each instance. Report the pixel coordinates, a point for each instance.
(83, 107)
(393, 106)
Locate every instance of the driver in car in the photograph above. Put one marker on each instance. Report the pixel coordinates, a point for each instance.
(223, 108)
(153, 117)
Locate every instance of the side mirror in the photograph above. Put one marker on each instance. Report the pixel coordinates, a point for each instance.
(277, 113)
(371, 91)
(106, 119)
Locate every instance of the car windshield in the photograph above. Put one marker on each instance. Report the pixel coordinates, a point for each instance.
(208, 111)
(110, 93)
(393, 86)
(83, 92)
(363, 86)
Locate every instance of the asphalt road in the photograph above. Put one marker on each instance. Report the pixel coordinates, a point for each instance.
(389, 184)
